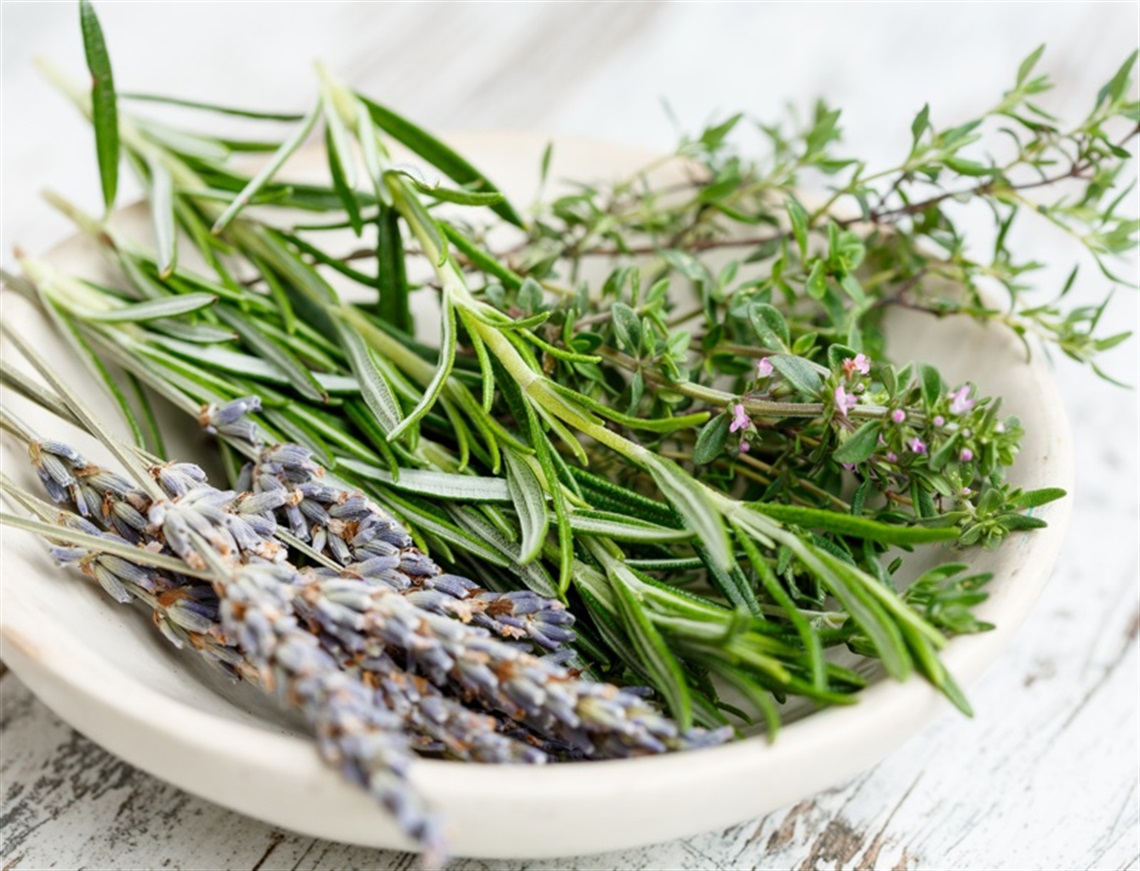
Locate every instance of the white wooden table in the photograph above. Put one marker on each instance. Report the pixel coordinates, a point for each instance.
(1044, 777)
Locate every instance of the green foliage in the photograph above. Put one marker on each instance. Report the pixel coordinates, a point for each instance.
(707, 459)
(104, 112)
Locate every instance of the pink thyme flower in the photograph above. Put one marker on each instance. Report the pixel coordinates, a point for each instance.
(917, 445)
(966, 491)
(850, 467)
(844, 401)
(763, 368)
(1000, 428)
(960, 401)
(860, 363)
(744, 447)
(939, 420)
(740, 420)
(898, 415)
(892, 457)
(966, 455)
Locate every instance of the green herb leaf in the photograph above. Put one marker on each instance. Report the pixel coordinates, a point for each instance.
(692, 502)
(920, 125)
(1029, 63)
(104, 114)
(162, 211)
(623, 528)
(931, 384)
(860, 445)
(277, 353)
(799, 221)
(212, 107)
(457, 196)
(440, 485)
(800, 373)
(391, 276)
(544, 451)
(442, 371)
(627, 326)
(771, 326)
(419, 219)
(530, 505)
(168, 307)
(480, 258)
(267, 172)
(970, 167)
(437, 154)
(816, 284)
(859, 527)
(653, 653)
(711, 441)
(1034, 498)
(373, 386)
(338, 172)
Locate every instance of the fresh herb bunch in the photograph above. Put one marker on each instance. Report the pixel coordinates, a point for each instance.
(712, 488)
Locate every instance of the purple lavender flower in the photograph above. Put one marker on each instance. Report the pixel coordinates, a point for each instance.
(359, 737)
(356, 533)
(529, 689)
(395, 601)
(229, 419)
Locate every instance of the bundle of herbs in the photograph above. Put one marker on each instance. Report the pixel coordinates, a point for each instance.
(666, 409)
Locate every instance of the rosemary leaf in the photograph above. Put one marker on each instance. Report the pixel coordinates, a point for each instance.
(104, 113)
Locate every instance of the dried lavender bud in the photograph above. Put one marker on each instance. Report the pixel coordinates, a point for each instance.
(229, 419)
(178, 479)
(539, 692)
(203, 511)
(185, 611)
(354, 730)
(459, 731)
(532, 690)
(519, 614)
(398, 566)
(355, 532)
(354, 733)
(94, 491)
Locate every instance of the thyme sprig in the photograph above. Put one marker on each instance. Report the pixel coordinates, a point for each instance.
(712, 486)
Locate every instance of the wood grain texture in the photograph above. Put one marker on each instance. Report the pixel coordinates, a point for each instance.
(1045, 776)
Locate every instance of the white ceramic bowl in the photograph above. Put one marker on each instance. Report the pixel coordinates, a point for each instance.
(105, 670)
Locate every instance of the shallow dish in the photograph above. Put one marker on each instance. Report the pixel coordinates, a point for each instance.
(110, 675)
